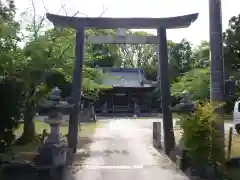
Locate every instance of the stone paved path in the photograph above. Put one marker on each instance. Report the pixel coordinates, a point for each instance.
(122, 150)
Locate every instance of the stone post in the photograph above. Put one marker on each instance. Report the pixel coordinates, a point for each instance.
(157, 135)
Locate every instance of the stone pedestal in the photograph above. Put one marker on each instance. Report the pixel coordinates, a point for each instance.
(157, 135)
(53, 153)
(181, 158)
(54, 136)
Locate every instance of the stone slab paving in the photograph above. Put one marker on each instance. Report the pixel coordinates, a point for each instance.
(122, 150)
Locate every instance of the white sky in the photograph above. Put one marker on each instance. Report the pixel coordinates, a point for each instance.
(145, 8)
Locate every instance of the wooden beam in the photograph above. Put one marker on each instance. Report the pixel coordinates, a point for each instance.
(128, 23)
(122, 40)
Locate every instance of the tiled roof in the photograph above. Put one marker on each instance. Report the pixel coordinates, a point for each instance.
(126, 77)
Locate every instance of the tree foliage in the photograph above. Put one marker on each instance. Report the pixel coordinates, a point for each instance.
(101, 54)
(46, 60)
(12, 105)
(12, 88)
(9, 51)
(232, 46)
(47, 57)
(201, 55)
(180, 58)
(196, 82)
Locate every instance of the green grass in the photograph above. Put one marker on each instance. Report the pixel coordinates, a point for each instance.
(40, 126)
(233, 172)
(235, 149)
(28, 151)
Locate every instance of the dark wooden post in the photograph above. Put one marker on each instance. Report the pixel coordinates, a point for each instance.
(76, 90)
(169, 139)
(216, 56)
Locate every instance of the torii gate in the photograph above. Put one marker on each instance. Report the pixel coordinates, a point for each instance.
(161, 24)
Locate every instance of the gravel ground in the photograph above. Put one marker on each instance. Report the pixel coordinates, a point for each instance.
(122, 150)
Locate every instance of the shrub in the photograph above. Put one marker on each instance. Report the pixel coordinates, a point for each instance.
(11, 105)
(201, 136)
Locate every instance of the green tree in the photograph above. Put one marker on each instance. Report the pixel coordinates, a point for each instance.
(232, 46)
(12, 88)
(45, 55)
(144, 56)
(180, 58)
(139, 55)
(42, 56)
(201, 55)
(12, 104)
(10, 53)
(196, 82)
(232, 57)
(101, 54)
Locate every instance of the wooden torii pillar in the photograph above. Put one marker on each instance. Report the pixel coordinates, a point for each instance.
(161, 24)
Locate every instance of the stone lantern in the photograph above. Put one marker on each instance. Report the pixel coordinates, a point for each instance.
(186, 104)
(54, 150)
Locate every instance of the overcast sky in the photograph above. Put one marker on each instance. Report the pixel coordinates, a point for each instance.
(145, 8)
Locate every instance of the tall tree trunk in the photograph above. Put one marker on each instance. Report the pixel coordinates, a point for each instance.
(29, 126)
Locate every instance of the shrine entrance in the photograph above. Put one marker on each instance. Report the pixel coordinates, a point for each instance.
(161, 24)
(119, 99)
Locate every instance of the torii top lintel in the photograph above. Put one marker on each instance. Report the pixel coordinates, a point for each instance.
(128, 23)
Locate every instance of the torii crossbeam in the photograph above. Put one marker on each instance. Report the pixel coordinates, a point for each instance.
(122, 40)
(128, 23)
(161, 24)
